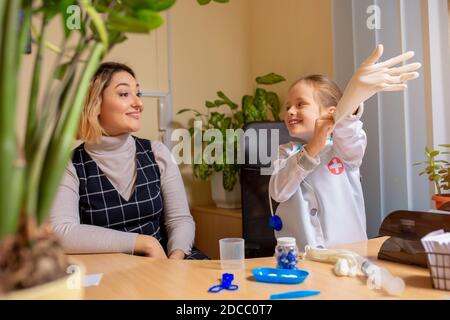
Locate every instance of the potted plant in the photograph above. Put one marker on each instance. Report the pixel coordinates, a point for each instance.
(224, 172)
(438, 171)
(32, 263)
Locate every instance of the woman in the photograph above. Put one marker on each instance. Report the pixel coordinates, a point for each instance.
(121, 193)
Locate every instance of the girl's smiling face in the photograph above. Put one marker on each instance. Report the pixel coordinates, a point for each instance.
(121, 106)
(302, 111)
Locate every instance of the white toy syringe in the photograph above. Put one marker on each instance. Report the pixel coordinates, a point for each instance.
(349, 263)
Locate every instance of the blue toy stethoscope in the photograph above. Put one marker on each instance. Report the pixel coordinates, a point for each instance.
(275, 221)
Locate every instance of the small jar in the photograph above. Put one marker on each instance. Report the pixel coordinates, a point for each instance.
(286, 253)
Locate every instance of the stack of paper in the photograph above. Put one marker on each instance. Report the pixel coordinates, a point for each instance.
(437, 247)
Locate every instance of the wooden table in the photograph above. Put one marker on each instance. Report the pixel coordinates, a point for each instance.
(133, 277)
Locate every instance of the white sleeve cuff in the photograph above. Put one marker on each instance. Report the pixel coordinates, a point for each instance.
(306, 162)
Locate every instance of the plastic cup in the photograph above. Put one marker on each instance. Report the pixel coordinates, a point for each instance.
(232, 254)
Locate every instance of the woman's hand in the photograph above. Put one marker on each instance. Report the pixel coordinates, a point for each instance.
(149, 246)
(177, 254)
(323, 127)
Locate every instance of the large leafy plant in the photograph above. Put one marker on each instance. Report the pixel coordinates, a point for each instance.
(437, 169)
(31, 170)
(253, 108)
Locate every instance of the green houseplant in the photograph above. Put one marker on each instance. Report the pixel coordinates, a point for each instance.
(31, 170)
(438, 172)
(257, 107)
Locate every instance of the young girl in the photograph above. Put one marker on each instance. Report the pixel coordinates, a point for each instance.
(318, 183)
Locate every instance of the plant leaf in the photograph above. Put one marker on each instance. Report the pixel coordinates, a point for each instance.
(239, 117)
(260, 103)
(434, 153)
(154, 5)
(274, 102)
(61, 70)
(229, 177)
(271, 78)
(210, 104)
(436, 177)
(187, 109)
(215, 120)
(204, 171)
(249, 110)
(203, 2)
(98, 23)
(147, 21)
(225, 125)
(227, 100)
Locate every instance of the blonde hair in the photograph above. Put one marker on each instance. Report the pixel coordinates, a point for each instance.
(327, 92)
(90, 129)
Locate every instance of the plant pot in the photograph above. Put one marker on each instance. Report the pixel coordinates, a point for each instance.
(69, 287)
(439, 200)
(223, 198)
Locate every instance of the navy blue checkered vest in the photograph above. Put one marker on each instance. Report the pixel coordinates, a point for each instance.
(100, 204)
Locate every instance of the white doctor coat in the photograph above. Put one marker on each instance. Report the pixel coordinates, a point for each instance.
(321, 198)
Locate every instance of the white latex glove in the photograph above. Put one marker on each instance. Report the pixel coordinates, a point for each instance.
(372, 77)
(344, 267)
(347, 263)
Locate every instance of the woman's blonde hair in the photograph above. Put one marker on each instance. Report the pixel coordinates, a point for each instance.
(90, 129)
(327, 92)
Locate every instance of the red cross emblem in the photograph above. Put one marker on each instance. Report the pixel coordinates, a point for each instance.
(336, 166)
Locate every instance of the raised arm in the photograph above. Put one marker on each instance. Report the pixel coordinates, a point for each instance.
(372, 77)
(350, 140)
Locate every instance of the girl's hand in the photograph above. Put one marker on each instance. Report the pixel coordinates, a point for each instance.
(372, 77)
(323, 127)
(177, 254)
(149, 246)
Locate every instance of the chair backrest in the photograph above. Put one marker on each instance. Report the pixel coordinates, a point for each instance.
(259, 237)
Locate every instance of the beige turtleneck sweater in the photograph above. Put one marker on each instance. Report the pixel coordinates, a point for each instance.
(116, 158)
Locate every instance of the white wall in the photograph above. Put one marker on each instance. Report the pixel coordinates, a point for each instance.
(283, 41)
(211, 47)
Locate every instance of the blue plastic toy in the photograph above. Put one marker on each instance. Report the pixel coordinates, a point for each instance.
(277, 275)
(294, 294)
(227, 279)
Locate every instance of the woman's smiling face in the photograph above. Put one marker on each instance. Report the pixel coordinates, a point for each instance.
(121, 106)
(302, 111)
